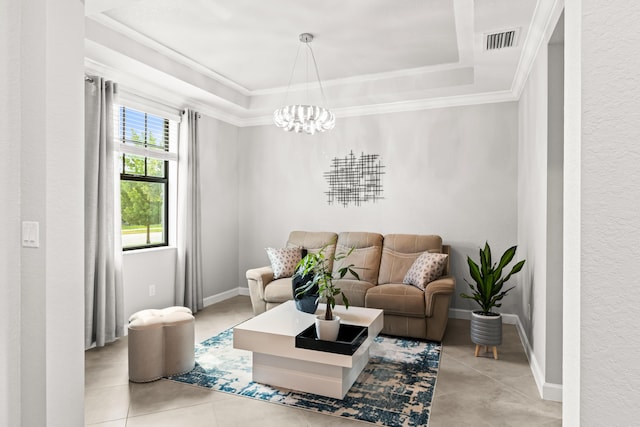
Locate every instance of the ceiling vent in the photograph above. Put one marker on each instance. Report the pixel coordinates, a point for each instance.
(500, 40)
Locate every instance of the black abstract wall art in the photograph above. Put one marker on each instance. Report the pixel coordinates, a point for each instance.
(354, 180)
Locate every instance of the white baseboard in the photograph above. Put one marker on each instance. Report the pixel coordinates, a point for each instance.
(552, 391)
(548, 391)
(458, 313)
(240, 290)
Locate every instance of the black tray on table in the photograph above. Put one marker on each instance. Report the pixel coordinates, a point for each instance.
(349, 339)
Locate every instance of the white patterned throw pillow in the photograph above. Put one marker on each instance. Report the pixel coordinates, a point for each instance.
(426, 268)
(284, 261)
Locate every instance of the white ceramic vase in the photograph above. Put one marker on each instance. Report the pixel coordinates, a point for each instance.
(327, 330)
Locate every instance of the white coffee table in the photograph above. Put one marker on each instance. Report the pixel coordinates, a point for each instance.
(277, 361)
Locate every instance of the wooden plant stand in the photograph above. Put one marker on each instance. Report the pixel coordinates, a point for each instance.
(486, 349)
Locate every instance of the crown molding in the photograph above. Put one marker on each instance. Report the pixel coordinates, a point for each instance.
(168, 52)
(128, 96)
(246, 117)
(463, 11)
(404, 106)
(167, 99)
(364, 78)
(545, 16)
(216, 113)
(178, 92)
(162, 98)
(428, 104)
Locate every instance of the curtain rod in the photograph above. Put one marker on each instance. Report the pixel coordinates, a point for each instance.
(88, 79)
(184, 111)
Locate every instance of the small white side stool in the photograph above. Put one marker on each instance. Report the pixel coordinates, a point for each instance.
(161, 343)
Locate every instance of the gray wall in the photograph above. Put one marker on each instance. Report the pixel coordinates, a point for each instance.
(450, 171)
(532, 210)
(219, 175)
(555, 180)
(540, 210)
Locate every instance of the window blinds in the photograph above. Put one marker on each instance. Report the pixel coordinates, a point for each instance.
(143, 134)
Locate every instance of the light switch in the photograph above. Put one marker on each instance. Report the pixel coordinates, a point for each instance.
(30, 234)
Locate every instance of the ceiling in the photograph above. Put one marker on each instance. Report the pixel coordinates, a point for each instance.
(233, 58)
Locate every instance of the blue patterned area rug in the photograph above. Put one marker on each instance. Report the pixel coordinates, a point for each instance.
(394, 389)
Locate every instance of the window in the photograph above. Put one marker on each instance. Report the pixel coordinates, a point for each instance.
(147, 153)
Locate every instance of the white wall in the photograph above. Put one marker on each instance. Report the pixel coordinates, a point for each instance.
(10, 104)
(571, 212)
(610, 223)
(451, 172)
(63, 73)
(42, 288)
(144, 268)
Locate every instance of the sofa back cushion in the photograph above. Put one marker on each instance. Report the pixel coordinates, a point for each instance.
(313, 241)
(366, 254)
(399, 251)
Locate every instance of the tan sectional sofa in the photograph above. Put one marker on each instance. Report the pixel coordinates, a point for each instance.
(408, 310)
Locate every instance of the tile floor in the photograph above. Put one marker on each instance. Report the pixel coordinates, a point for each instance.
(470, 391)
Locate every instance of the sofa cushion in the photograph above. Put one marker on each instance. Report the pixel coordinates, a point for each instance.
(284, 261)
(311, 239)
(399, 251)
(397, 299)
(367, 250)
(412, 243)
(427, 268)
(314, 241)
(394, 265)
(279, 290)
(355, 290)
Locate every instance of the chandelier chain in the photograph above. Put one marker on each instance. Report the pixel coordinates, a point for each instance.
(293, 69)
(315, 64)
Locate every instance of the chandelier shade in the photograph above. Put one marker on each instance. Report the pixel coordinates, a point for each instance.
(304, 118)
(300, 117)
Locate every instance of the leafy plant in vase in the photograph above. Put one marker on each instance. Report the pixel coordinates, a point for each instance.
(316, 266)
(486, 325)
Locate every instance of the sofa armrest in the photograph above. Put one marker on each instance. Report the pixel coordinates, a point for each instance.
(262, 276)
(445, 285)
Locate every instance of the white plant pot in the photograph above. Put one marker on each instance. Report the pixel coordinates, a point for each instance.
(327, 330)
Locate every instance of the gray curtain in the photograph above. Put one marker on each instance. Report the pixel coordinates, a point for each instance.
(104, 307)
(189, 291)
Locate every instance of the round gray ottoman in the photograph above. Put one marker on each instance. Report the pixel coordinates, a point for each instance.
(161, 343)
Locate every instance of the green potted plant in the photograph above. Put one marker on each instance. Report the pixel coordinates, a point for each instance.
(316, 267)
(488, 291)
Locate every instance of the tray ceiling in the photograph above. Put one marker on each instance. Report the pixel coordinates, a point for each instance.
(236, 56)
